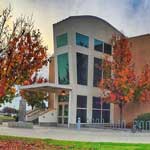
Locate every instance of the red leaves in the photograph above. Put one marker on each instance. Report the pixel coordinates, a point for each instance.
(2, 87)
(121, 84)
(21, 145)
(112, 97)
(25, 55)
(35, 79)
(125, 85)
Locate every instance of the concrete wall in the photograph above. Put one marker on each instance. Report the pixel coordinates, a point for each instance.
(49, 117)
(141, 55)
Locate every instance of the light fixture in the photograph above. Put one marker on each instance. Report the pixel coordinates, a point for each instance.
(63, 93)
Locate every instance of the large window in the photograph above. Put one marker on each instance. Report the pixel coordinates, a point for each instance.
(82, 69)
(107, 48)
(62, 40)
(101, 111)
(63, 69)
(81, 108)
(97, 71)
(98, 45)
(82, 40)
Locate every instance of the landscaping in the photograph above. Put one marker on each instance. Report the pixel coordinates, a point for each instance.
(17, 143)
(6, 118)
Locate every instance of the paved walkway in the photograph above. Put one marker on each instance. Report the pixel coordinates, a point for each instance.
(91, 135)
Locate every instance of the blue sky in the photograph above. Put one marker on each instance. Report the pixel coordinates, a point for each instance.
(132, 17)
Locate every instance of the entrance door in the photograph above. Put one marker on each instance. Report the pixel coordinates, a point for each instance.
(63, 113)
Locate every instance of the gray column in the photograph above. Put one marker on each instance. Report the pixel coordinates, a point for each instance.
(22, 110)
(69, 108)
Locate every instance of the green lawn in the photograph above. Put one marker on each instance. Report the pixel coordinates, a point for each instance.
(70, 145)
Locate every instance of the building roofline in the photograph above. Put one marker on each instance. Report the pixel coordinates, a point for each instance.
(98, 18)
(139, 36)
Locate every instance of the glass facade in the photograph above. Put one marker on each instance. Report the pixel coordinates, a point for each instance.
(97, 75)
(107, 49)
(81, 108)
(82, 68)
(62, 40)
(101, 111)
(82, 40)
(98, 45)
(63, 69)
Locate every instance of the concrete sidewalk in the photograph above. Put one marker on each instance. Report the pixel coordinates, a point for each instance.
(90, 135)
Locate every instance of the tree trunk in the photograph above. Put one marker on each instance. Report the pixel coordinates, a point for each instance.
(121, 113)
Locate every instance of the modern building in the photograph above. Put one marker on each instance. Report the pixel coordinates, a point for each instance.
(80, 44)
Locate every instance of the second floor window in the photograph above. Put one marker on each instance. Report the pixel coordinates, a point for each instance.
(62, 40)
(82, 40)
(107, 49)
(98, 45)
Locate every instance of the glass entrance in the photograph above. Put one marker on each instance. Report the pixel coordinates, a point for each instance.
(63, 113)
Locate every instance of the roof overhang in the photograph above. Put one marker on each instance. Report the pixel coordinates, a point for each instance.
(49, 87)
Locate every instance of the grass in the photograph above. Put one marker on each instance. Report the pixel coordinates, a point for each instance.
(71, 145)
(6, 118)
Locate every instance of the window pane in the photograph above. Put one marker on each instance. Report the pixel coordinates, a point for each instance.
(66, 110)
(62, 98)
(60, 120)
(106, 116)
(97, 102)
(97, 71)
(106, 105)
(107, 48)
(98, 45)
(81, 101)
(62, 40)
(96, 116)
(82, 40)
(82, 114)
(65, 120)
(82, 69)
(60, 110)
(63, 69)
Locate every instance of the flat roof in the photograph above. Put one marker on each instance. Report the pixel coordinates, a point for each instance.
(139, 36)
(46, 87)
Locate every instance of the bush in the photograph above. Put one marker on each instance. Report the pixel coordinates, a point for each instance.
(143, 117)
(143, 121)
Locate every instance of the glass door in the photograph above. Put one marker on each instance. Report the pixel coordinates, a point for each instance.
(63, 113)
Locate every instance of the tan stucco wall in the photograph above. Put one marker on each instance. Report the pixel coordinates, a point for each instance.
(52, 70)
(141, 55)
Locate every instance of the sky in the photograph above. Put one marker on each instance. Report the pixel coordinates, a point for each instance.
(132, 17)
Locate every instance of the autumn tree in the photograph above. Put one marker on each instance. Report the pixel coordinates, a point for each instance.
(35, 98)
(124, 85)
(21, 52)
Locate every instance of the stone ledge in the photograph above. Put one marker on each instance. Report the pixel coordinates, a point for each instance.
(51, 124)
(20, 125)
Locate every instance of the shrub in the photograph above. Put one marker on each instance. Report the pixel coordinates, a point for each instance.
(143, 121)
(143, 117)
